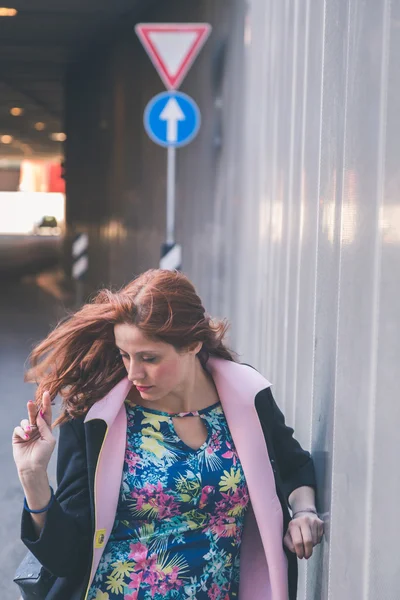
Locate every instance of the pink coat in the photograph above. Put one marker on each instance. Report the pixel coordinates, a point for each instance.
(263, 568)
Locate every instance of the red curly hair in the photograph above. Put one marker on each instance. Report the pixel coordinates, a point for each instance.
(79, 359)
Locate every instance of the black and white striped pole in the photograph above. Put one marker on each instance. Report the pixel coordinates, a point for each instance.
(171, 256)
(80, 263)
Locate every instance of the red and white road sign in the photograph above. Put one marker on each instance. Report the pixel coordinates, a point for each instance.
(173, 47)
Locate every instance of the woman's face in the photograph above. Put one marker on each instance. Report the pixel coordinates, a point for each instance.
(155, 368)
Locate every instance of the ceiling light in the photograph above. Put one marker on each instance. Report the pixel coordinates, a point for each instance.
(8, 12)
(16, 111)
(6, 139)
(39, 126)
(58, 137)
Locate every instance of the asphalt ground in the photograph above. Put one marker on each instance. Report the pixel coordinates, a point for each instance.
(29, 308)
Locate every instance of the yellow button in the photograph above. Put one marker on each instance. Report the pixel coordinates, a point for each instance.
(99, 538)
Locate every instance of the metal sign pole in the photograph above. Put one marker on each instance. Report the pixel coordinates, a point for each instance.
(171, 170)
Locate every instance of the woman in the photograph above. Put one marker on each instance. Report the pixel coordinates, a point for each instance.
(175, 467)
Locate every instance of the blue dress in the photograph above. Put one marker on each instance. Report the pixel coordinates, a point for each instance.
(180, 514)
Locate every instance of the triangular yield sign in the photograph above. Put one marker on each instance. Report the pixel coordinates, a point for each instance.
(173, 47)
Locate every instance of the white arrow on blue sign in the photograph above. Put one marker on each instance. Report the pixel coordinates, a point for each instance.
(172, 119)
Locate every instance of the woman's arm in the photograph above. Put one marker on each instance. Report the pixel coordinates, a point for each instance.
(38, 495)
(296, 468)
(305, 529)
(64, 541)
(302, 500)
(295, 465)
(33, 444)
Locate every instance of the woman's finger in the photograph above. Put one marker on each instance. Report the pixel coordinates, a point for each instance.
(306, 534)
(315, 533)
(32, 411)
(297, 539)
(46, 407)
(287, 540)
(25, 425)
(20, 435)
(320, 530)
(44, 429)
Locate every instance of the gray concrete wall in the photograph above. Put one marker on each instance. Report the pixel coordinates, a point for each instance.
(318, 257)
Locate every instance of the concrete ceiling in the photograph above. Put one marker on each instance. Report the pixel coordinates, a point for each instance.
(36, 46)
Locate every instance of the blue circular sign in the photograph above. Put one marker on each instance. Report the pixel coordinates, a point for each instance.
(172, 119)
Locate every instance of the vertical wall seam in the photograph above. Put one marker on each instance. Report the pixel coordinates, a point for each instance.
(261, 192)
(331, 512)
(302, 154)
(316, 271)
(273, 259)
(290, 211)
(376, 296)
(317, 224)
(300, 237)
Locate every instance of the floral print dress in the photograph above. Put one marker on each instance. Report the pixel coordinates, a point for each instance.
(180, 514)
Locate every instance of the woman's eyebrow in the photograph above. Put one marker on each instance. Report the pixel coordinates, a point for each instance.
(138, 353)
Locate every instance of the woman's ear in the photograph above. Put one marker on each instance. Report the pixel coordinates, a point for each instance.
(195, 347)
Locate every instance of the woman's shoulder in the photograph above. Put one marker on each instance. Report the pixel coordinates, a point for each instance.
(74, 422)
(264, 400)
(73, 426)
(259, 377)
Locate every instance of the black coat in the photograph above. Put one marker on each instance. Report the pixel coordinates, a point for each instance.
(65, 545)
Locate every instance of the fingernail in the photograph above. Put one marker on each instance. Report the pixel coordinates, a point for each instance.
(26, 437)
(42, 414)
(28, 427)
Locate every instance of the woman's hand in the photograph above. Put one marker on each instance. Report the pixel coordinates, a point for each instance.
(33, 440)
(304, 532)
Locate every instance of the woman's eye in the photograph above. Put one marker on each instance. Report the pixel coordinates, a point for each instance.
(149, 359)
(123, 356)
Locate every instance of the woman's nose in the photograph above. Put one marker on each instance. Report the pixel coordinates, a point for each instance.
(136, 373)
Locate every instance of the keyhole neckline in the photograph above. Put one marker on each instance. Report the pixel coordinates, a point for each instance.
(192, 413)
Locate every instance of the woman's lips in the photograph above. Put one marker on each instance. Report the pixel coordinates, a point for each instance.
(143, 388)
